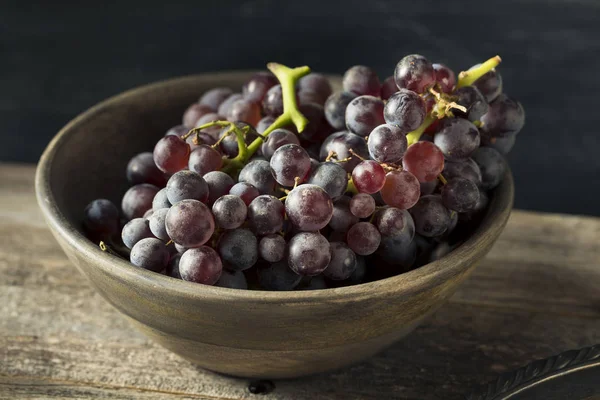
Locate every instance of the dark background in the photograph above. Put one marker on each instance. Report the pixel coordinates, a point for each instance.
(57, 59)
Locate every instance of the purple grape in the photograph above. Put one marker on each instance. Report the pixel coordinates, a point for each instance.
(361, 80)
(185, 185)
(343, 262)
(401, 189)
(387, 144)
(457, 139)
(428, 187)
(309, 253)
(472, 99)
(136, 230)
(194, 113)
(414, 72)
(466, 168)
(229, 211)
(238, 249)
(335, 108)
(368, 177)
(225, 106)
(340, 143)
(150, 254)
(157, 224)
(245, 191)
(317, 84)
(215, 97)
(505, 117)
(229, 145)
(392, 221)
(398, 251)
(315, 115)
(342, 219)
(272, 103)
(430, 216)
(173, 267)
(142, 169)
(277, 276)
(406, 110)
(190, 223)
(492, 165)
(200, 265)
(502, 144)
(137, 200)
(266, 215)
(101, 218)
(444, 77)
(363, 238)
(258, 174)
(362, 205)
(388, 88)
(489, 84)
(232, 280)
(219, 184)
(290, 165)
(245, 111)
(461, 195)
(212, 131)
(205, 159)
(256, 88)
(308, 207)
(331, 177)
(276, 139)
(171, 154)
(264, 123)
(160, 200)
(364, 114)
(272, 248)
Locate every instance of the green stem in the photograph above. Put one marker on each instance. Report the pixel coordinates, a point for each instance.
(241, 141)
(351, 187)
(414, 136)
(467, 78)
(207, 125)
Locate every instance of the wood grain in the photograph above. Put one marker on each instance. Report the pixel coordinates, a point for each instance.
(533, 296)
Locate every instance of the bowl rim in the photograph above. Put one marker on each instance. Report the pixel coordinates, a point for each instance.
(416, 280)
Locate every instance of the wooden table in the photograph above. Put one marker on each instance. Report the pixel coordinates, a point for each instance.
(535, 294)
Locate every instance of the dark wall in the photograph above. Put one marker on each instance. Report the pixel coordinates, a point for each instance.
(57, 60)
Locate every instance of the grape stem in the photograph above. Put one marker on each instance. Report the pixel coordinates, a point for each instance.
(414, 136)
(467, 78)
(442, 179)
(351, 187)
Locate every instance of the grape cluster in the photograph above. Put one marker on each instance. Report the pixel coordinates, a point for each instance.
(309, 189)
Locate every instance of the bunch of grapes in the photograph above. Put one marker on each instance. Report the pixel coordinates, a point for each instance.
(287, 185)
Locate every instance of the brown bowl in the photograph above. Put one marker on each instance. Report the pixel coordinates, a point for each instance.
(237, 332)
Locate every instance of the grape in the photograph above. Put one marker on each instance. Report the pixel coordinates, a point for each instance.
(460, 195)
(289, 162)
(215, 97)
(245, 191)
(200, 265)
(440, 251)
(343, 262)
(392, 221)
(177, 130)
(265, 215)
(171, 154)
(225, 106)
(232, 280)
(277, 276)
(430, 216)
(489, 84)
(212, 131)
(186, 185)
(173, 267)
(315, 115)
(483, 201)
(229, 146)
(342, 219)
(315, 83)
(258, 173)
(502, 144)
(200, 138)
(335, 108)
(428, 187)
(219, 184)
(406, 110)
(388, 88)
(314, 283)
(466, 168)
(245, 111)
(148, 213)
(368, 177)
(505, 117)
(424, 160)
(387, 144)
(137, 200)
(255, 89)
(157, 224)
(414, 72)
(309, 253)
(160, 200)
(308, 207)
(276, 139)
(272, 248)
(399, 252)
(229, 211)
(363, 114)
(401, 189)
(190, 223)
(205, 159)
(361, 80)
(340, 143)
(363, 238)
(457, 139)
(264, 123)
(472, 99)
(492, 165)
(331, 177)
(239, 249)
(273, 102)
(362, 205)
(193, 114)
(150, 254)
(180, 249)
(101, 218)
(445, 77)
(142, 169)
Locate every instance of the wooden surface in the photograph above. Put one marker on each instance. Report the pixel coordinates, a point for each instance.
(534, 295)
